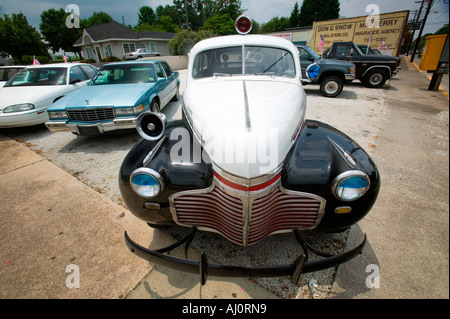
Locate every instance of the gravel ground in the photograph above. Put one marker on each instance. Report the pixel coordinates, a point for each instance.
(95, 161)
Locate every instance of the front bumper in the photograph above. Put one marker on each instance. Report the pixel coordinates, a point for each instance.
(203, 268)
(350, 77)
(102, 127)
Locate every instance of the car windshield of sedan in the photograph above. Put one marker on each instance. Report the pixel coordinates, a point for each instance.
(258, 61)
(125, 73)
(39, 77)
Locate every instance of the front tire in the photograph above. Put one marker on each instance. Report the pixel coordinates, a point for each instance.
(331, 86)
(154, 106)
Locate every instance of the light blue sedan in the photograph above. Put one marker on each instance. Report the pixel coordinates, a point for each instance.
(115, 97)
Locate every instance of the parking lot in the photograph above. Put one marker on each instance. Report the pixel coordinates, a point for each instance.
(402, 126)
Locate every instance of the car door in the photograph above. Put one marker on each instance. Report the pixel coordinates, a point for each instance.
(171, 78)
(163, 85)
(346, 52)
(305, 60)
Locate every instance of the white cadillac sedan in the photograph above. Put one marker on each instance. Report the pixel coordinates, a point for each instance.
(25, 97)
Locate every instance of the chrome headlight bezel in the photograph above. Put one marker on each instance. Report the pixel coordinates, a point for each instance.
(22, 107)
(56, 115)
(146, 182)
(359, 177)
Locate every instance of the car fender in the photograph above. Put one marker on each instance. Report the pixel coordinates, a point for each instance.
(320, 154)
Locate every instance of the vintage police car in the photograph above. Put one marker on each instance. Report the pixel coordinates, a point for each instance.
(244, 162)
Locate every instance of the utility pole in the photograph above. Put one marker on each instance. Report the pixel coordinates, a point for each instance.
(187, 20)
(429, 5)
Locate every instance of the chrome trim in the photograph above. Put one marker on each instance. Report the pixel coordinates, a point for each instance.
(245, 181)
(341, 177)
(116, 124)
(350, 76)
(140, 130)
(248, 124)
(347, 157)
(379, 66)
(247, 199)
(153, 152)
(151, 172)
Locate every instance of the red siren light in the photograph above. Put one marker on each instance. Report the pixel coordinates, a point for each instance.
(243, 24)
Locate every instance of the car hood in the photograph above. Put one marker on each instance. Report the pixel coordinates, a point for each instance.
(245, 125)
(27, 94)
(105, 95)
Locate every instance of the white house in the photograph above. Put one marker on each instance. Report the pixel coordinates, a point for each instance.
(114, 39)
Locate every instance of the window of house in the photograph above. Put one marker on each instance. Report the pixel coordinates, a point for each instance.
(108, 50)
(152, 46)
(129, 47)
(90, 53)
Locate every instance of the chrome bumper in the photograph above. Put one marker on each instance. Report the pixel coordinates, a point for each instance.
(68, 126)
(299, 266)
(350, 76)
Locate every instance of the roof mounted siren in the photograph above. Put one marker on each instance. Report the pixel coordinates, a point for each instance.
(243, 24)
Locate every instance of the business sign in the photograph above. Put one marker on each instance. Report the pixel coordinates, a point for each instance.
(287, 36)
(387, 31)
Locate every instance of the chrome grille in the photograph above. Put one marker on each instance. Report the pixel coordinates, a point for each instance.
(215, 210)
(91, 115)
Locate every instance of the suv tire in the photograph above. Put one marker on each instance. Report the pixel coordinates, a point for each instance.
(331, 86)
(375, 78)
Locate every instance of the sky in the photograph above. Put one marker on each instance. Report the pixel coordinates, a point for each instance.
(259, 10)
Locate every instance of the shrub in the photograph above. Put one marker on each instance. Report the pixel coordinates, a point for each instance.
(184, 40)
(111, 59)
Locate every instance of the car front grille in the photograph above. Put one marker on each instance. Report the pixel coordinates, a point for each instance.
(247, 219)
(91, 115)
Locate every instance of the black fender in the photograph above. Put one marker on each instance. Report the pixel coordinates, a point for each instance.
(316, 160)
(177, 177)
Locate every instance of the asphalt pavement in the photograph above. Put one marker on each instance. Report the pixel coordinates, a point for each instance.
(61, 239)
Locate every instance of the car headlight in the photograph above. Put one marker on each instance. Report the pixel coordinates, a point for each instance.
(350, 185)
(57, 115)
(146, 182)
(126, 111)
(18, 108)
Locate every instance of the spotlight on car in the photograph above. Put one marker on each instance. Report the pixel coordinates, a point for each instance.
(151, 125)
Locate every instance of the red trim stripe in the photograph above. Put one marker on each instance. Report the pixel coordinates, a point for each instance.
(245, 188)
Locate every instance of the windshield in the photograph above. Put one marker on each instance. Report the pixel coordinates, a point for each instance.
(125, 73)
(258, 61)
(39, 77)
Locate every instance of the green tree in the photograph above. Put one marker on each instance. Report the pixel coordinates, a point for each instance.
(220, 25)
(443, 30)
(230, 7)
(146, 15)
(318, 10)
(275, 25)
(19, 38)
(54, 30)
(96, 19)
(295, 16)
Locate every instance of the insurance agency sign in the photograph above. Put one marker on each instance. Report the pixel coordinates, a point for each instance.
(384, 32)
